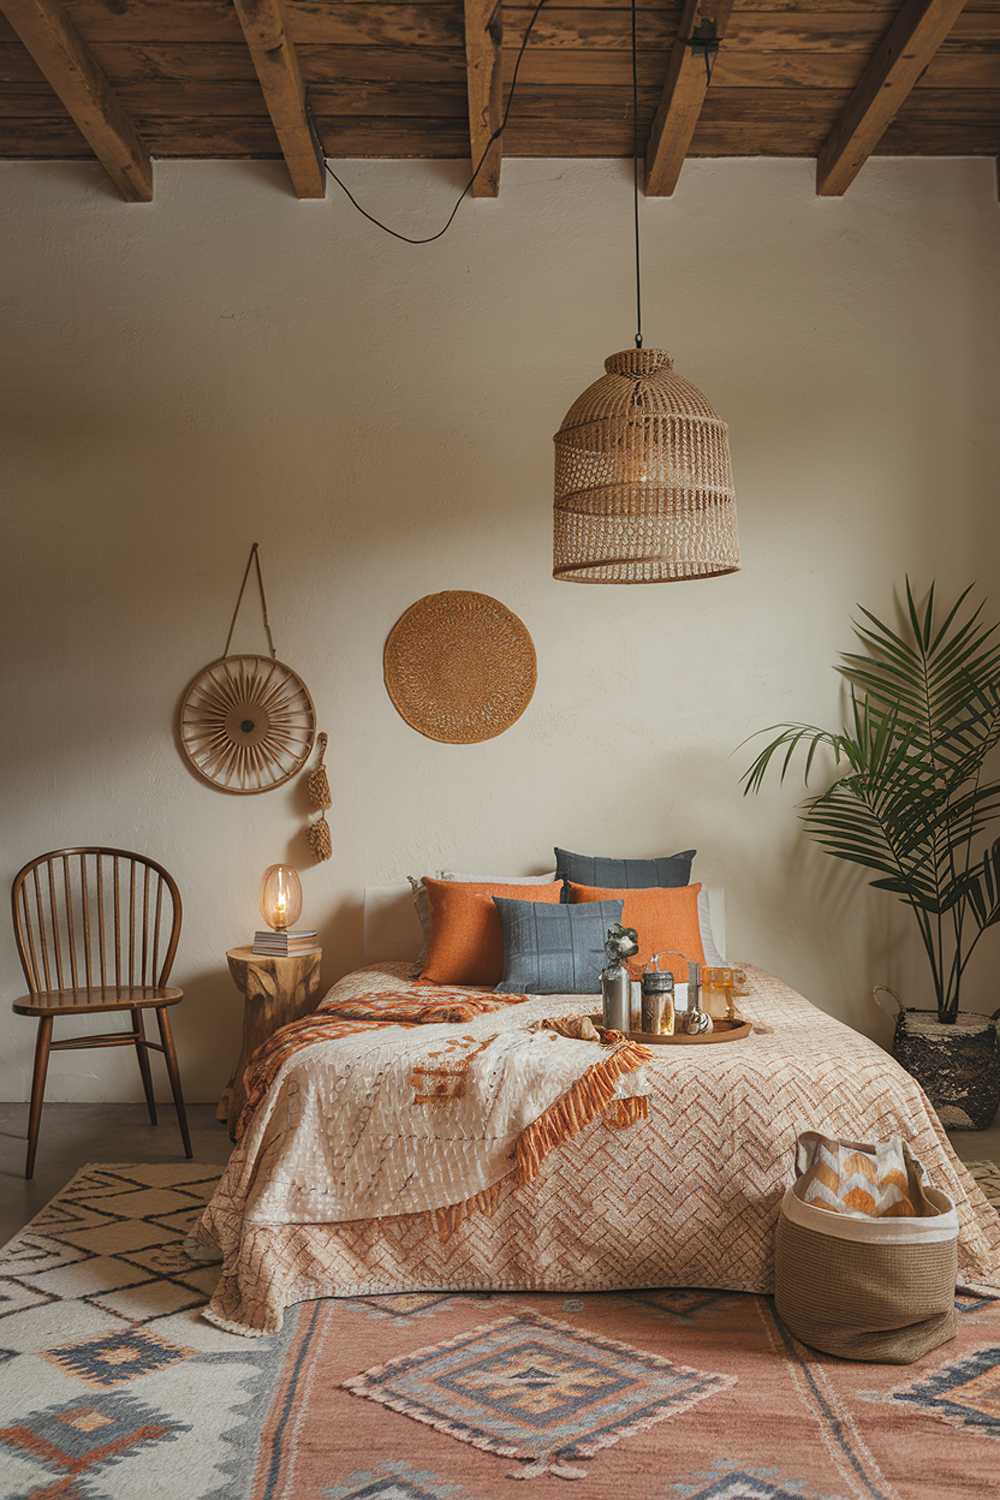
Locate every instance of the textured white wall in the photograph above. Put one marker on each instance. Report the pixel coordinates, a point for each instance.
(230, 365)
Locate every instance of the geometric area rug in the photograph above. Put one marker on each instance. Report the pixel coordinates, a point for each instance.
(112, 1387)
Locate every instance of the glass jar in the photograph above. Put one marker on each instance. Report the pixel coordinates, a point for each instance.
(657, 998)
(717, 992)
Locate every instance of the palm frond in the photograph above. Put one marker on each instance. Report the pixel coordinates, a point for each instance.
(908, 799)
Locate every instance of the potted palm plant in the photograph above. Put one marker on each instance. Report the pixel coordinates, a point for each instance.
(912, 799)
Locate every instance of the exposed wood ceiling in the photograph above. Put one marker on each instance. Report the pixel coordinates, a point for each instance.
(126, 80)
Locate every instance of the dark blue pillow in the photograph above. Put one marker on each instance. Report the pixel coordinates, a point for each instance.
(554, 950)
(624, 874)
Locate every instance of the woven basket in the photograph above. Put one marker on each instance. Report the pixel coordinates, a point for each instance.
(643, 479)
(872, 1289)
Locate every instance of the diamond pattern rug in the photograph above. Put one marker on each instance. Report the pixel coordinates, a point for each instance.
(112, 1386)
(528, 1387)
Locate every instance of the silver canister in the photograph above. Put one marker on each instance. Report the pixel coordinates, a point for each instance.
(615, 997)
(658, 1003)
(635, 1005)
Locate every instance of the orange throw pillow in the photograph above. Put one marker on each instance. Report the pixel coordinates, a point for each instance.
(466, 944)
(664, 917)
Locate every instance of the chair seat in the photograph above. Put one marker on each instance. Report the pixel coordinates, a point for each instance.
(95, 998)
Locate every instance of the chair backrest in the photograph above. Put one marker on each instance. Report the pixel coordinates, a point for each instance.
(89, 917)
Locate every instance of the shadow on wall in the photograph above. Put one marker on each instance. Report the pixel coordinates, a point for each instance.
(819, 914)
(341, 931)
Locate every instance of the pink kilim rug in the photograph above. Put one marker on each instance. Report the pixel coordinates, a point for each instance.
(112, 1386)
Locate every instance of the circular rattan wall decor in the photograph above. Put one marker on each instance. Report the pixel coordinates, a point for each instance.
(460, 667)
(246, 724)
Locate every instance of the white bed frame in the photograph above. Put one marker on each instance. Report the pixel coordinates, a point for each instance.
(391, 929)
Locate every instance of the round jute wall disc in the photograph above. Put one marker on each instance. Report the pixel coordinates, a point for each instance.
(460, 667)
(246, 724)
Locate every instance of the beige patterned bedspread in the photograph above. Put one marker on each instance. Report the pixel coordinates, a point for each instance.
(687, 1198)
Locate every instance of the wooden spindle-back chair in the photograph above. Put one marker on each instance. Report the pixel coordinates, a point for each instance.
(97, 930)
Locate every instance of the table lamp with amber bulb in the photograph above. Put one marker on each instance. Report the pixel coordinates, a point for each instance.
(281, 907)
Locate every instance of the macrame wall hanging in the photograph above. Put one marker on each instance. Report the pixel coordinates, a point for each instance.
(318, 792)
(246, 723)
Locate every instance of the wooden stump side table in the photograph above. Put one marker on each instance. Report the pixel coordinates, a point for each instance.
(275, 991)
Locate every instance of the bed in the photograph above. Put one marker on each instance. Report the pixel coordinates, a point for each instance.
(684, 1198)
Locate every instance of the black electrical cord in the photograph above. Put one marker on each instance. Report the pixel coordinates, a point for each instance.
(430, 238)
(635, 180)
(704, 40)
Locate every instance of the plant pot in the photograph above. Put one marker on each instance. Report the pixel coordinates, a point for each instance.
(957, 1066)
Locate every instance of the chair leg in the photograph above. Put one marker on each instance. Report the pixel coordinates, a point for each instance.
(144, 1068)
(38, 1090)
(170, 1055)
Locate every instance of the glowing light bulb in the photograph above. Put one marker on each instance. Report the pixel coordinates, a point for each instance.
(280, 897)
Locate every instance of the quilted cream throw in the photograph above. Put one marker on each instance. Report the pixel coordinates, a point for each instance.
(418, 1102)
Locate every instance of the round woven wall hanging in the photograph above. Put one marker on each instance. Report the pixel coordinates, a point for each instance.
(460, 667)
(246, 723)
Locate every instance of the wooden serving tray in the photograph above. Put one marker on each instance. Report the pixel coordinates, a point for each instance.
(722, 1031)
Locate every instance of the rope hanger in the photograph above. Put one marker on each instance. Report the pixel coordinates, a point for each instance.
(252, 560)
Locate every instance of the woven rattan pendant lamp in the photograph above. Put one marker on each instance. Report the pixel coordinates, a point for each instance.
(643, 478)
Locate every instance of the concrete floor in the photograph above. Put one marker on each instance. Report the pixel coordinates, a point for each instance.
(76, 1133)
(977, 1145)
(73, 1134)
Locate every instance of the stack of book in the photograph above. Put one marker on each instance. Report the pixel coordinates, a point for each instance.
(285, 944)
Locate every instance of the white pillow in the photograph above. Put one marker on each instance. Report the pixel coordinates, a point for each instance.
(712, 954)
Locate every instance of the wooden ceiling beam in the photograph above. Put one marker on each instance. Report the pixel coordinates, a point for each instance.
(684, 91)
(274, 57)
(893, 69)
(64, 58)
(484, 85)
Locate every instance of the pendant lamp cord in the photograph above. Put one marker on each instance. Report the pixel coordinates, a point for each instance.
(635, 179)
(704, 40)
(429, 239)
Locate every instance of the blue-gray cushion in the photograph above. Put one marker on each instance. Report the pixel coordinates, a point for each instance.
(554, 950)
(624, 874)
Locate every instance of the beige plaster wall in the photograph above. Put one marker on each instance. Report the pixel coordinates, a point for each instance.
(230, 364)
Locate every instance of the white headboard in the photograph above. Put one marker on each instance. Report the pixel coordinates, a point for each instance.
(391, 929)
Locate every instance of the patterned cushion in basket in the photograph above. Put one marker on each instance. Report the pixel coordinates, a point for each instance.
(879, 1183)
